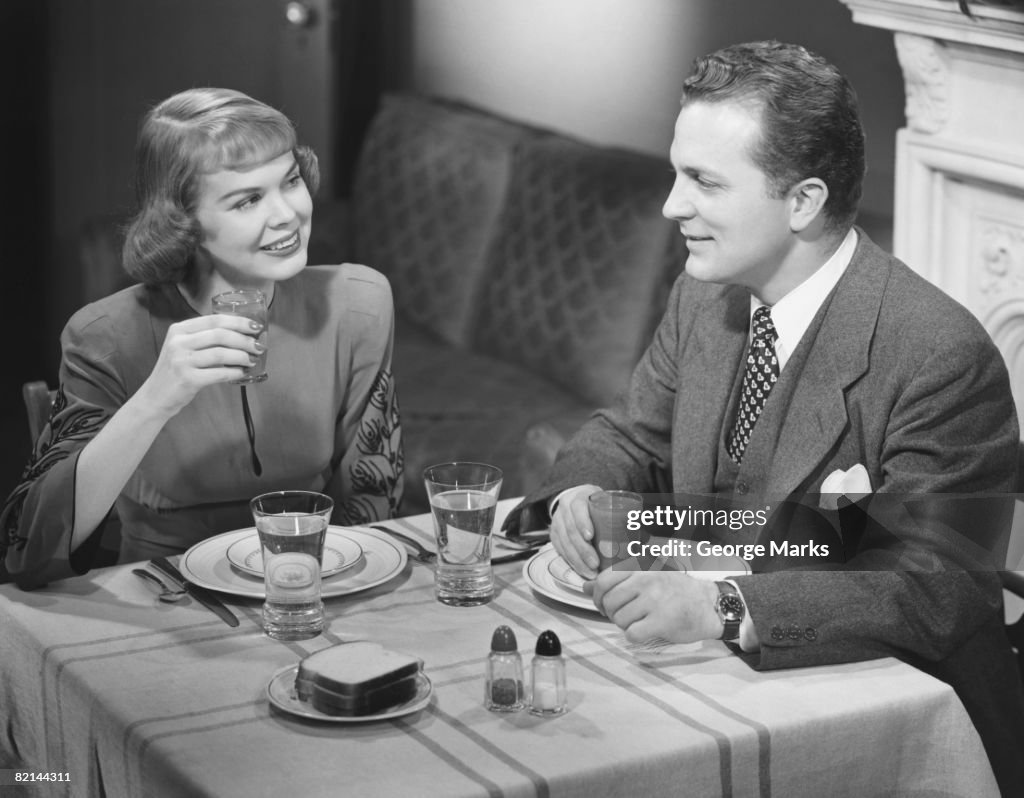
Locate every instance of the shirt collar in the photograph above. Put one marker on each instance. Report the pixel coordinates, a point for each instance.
(792, 314)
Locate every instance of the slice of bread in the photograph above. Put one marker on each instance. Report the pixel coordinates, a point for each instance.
(359, 678)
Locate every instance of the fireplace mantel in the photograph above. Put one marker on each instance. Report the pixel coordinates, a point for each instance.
(959, 210)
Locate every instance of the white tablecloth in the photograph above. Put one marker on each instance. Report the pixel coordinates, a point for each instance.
(135, 698)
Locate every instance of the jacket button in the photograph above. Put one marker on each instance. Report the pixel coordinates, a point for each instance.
(795, 633)
(742, 487)
(777, 633)
(810, 633)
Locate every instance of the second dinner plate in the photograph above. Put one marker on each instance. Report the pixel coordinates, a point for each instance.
(538, 575)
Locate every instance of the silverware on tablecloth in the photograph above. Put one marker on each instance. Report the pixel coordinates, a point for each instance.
(520, 544)
(167, 594)
(205, 597)
(521, 549)
(420, 553)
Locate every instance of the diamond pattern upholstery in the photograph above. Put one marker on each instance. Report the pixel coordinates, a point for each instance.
(528, 269)
(577, 269)
(429, 185)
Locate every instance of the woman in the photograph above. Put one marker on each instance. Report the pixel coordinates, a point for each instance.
(148, 417)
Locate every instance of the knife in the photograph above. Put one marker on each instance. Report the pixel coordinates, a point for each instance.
(205, 597)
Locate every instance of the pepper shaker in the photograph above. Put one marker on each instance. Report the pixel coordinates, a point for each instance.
(503, 689)
(548, 693)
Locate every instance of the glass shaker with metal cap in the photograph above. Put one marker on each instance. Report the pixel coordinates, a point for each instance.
(548, 694)
(503, 689)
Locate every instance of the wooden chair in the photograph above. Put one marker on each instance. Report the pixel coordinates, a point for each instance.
(38, 403)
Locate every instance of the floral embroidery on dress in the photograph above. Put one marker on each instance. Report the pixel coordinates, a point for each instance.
(378, 471)
(65, 433)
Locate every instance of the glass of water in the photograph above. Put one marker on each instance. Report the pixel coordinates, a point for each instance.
(292, 525)
(253, 305)
(463, 497)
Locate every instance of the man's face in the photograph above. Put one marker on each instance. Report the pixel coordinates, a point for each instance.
(735, 231)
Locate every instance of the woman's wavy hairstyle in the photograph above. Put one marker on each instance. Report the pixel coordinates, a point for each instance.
(195, 132)
(810, 125)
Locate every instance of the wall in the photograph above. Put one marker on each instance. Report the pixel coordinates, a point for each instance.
(610, 70)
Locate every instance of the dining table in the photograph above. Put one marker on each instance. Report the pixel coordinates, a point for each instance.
(106, 691)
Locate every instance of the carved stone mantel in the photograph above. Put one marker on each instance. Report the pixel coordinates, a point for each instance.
(959, 211)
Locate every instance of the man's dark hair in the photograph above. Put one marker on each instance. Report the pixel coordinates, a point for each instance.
(810, 125)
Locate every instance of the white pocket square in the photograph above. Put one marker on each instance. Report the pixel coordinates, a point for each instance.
(854, 484)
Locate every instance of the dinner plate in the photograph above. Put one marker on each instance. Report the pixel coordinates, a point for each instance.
(281, 692)
(340, 552)
(563, 573)
(537, 573)
(206, 564)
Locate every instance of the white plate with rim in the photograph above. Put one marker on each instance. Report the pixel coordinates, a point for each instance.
(563, 573)
(340, 552)
(544, 574)
(537, 573)
(206, 564)
(281, 692)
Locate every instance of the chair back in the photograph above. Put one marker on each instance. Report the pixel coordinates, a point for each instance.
(38, 403)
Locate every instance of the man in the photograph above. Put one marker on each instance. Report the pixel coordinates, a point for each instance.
(863, 368)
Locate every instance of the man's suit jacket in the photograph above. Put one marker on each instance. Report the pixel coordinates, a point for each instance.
(891, 374)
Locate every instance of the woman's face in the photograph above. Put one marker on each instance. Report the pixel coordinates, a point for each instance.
(254, 222)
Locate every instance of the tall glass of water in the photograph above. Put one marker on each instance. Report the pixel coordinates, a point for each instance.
(292, 525)
(463, 497)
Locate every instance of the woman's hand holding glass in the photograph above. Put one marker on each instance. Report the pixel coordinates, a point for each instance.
(199, 352)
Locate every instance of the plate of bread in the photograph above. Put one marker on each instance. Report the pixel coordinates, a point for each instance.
(358, 682)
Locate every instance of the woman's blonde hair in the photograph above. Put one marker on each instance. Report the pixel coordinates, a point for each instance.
(195, 132)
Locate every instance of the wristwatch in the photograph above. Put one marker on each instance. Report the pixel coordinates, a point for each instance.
(730, 609)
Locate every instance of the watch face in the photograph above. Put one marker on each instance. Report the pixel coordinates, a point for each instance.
(731, 607)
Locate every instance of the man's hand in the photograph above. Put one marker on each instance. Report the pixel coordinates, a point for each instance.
(572, 531)
(665, 604)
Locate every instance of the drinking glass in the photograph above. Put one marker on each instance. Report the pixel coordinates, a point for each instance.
(253, 305)
(292, 525)
(608, 513)
(463, 497)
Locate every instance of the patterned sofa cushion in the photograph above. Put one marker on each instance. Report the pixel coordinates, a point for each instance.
(581, 265)
(429, 185)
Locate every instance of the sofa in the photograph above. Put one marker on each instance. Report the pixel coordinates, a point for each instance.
(529, 270)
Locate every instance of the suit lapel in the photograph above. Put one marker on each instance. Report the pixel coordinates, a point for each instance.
(709, 363)
(830, 357)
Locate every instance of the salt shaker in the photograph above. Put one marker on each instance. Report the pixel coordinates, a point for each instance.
(503, 690)
(548, 693)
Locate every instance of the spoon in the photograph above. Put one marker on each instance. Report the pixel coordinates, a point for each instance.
(167, 595)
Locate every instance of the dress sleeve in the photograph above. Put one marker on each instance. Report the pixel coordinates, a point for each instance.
(38, 516)
(366, 482)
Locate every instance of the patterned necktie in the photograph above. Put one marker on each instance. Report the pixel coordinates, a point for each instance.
(760, 377)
